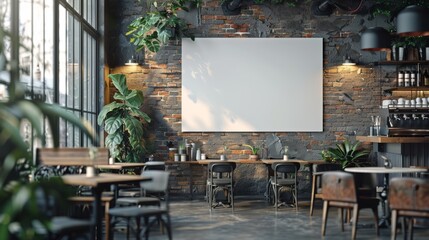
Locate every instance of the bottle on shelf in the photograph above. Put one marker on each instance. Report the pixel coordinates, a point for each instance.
(413, 81)
(426, 78)
(407, 81)
(401, 79)
(419, 78)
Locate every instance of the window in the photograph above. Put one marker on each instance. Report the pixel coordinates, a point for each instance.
(59, 58)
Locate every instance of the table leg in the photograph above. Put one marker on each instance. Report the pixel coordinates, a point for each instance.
(385, 218)
(96, 231)
(191, 193)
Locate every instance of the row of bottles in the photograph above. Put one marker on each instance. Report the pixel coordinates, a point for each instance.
(413, 78)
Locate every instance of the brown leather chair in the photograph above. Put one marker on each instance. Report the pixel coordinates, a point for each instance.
(339, 190)
(408, 198)
(316, 190)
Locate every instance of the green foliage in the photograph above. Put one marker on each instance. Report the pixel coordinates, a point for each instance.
(254, 149)
(123, 121)
(345, 153)
(156, 27)
(391, 8)
(19, 210)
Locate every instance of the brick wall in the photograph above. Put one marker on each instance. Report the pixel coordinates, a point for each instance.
(350, 96)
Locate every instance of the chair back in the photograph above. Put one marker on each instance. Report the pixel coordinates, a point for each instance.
(409, 194)
(226, 167)
(159, 182)
(339, 186)
(154, 165)
(285, 167)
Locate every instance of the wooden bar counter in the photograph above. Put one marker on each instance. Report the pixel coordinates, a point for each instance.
(402, 151)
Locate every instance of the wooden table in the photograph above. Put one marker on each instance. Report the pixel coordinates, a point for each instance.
(384, 220)
(98, 183)
(267, 163)
(120, 166)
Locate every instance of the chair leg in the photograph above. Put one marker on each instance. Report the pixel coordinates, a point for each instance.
(313, 193)
(410, 228)
(168, 226)
(146, 232)
(355, 219)
(275, 197)
(324, 216)
(341, 218)
(232, 198)
(394, 224)
(404, 227)
(107, 220)
(296, 197)
(138, 228)
(375, 212)
(128, 228)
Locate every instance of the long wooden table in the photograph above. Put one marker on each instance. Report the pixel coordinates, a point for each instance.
(266, 162)
(98, 183)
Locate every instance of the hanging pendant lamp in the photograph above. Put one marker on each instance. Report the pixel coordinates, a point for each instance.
(375, 39)
(413, 21)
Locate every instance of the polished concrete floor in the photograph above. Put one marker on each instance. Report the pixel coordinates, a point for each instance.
(255, 219)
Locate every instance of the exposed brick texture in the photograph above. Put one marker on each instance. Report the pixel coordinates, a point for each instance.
(350, 96)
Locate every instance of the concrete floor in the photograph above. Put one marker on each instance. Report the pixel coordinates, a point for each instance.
(255, 219)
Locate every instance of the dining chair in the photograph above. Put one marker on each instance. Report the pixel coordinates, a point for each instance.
(285, 177)
(160, 213)
(339, 190)
(316, 189)
(408, 198)
(140, 196)
(128, 194)
(220, 178)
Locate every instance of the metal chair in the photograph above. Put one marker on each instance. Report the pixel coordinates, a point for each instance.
(409, 199)
(285, 176)
(220, 177)
(161, 213)
(339, 190)
(316, 190)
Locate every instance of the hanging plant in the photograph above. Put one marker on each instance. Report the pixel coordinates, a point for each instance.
(156, 27)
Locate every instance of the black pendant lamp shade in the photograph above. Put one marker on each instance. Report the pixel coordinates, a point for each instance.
(375, 39)
(413, 21)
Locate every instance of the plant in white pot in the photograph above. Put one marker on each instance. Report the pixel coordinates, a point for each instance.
(123, 120)
(254, 151)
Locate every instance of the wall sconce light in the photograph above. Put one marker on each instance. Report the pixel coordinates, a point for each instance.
(375, 39)
(348, 61)
(132, 61)
(413, 21)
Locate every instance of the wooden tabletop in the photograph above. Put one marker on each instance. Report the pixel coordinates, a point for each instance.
(102, 179)
(384, 170)
(386, 139)
(249, 161)
(120, 166)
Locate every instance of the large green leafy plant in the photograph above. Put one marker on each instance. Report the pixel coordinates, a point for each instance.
(123, 120)
(20, 209)
(346, 153)
(156, 27)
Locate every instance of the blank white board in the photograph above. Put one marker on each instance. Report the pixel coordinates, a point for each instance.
(252, 85)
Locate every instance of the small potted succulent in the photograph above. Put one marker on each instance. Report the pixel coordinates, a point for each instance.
(254, 151)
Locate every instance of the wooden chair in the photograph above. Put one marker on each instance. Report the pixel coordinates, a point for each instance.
(408, 198)
(159, 183)
(285, 176)
(339, 190)
(316, 189)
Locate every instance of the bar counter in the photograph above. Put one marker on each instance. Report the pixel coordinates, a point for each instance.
(402, 151)
(386, 139)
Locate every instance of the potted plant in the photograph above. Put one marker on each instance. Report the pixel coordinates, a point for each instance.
(155, 28)
(123, 120)
(345, 153)
(254, 151)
